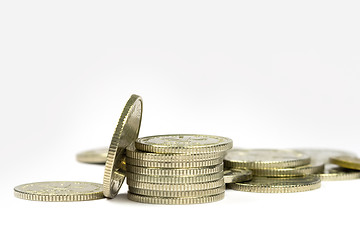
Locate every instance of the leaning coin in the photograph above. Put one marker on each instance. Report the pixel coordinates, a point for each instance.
(127, 130)
(237, 175)
(59, 191)
(324, 155)
(278, 185)
(93, 156)
(177, 201)
(346, 162)
(183, 143)
(334, 172)
(264, 158)
(188, 164)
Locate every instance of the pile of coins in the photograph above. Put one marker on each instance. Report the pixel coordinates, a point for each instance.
(176, 169)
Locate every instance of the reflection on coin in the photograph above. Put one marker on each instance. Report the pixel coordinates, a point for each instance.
(264, 158)
(278, 185)
(127, 130)
(346, 162)
(183, 143)
(237, 175)
(324, 155)
(334, 172)
(59, 191)
(93, 156)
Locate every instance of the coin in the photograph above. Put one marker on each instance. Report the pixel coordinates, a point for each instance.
(278, 185)
(59, 191)
(162, 200)
(183, 143)
(324, 155)
(334, 172)
(187, 164)
(93, 156)
(346, 162)
(264, 158)
(237, 175)
(127, 130)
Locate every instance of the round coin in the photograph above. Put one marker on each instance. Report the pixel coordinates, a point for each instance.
(324, 155)
(346, 162)
(93, 156)
(333, 172)
(278, 185)
(183, 143)
(189, 164)
(264, 158)
(59, 191)
(237, 175)
(127, 130)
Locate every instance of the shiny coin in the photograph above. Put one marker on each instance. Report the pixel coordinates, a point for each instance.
(324, 155)
(333, 172)
(346, 162)
(237, 175)
(183, 143)
(187, 164)
(59, 191)
(125, 133)
(178, 201)
(264, 158)
(93, 156)
(278, 185)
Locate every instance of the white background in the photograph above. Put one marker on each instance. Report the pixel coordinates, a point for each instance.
(273, 74)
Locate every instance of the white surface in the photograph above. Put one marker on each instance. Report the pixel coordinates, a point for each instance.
(265, 73)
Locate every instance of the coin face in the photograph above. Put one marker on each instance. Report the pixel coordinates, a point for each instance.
(183, 143)
(127, 130)
(59, 191)
(237, 175)
(346, 162)
(264, 158)
(93, 156)
(334, 172)
(324, 155)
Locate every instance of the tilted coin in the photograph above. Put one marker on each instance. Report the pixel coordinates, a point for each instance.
(334, 172)
(324, 155)
(93, 156)
(278, 185)
(178, 201)
(59, 191)
(346, 162)
(183, 143)
(189, 164)
(127, 130)
(237, 175)
(264, 158)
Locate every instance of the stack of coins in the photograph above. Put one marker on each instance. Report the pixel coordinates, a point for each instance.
(176, 169)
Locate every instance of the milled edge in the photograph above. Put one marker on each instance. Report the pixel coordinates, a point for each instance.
(289, 172)
(152, 164)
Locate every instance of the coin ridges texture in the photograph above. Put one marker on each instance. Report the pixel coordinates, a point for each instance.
(264, 158)
(334, 172)
(290, 172)
(93, 156)
(64, 191)
(346, 162)
(178, 201)
(127, 130)
(153, 164)
(183, 143)
(278, 185)
(237, 175)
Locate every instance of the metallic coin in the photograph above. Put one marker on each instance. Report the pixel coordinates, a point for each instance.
(264, 158)
(132, 152)
(199, 193)
(93, 156)
(324, 155)
(178, 201)
(127, 130)
(176, 187)
(188, 164)
(333, 172)
(178, 179)
(278, 185)
(59, 191)
(346, 162)
(237, 175)
(183, 143)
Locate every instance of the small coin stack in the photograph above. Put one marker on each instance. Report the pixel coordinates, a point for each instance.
(176, 169)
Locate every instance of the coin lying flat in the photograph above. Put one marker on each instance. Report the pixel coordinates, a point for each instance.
(264, 158)
(189, 164)
(346, 162)
(127, 130)
(278, 185)
(334, 172)
(324, 155)
(93, 156)
(59, 191)
(177, 201)
(237, 175)
(183, 143)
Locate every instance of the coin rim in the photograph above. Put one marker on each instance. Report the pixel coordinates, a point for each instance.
(175, 201)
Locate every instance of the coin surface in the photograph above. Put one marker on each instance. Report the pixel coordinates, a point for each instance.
(237, 175)
(127, 130)
(177, 201)
(64, 191)
(278, 185)
(334, 172)
(324, 155)
(183, 143)
(346, 162)
(93, 156)
(264, 158)
(186, 164)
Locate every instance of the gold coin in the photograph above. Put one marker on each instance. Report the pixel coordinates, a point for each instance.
(237, 175)
(346, 162)
(264, 158)
(334, 172)
(183, 143)
(199, 193)
(93, 156)
(177, 201)
(278, 185)
(324, 155)
(127, 130)
(59, 191)
(189, 164)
